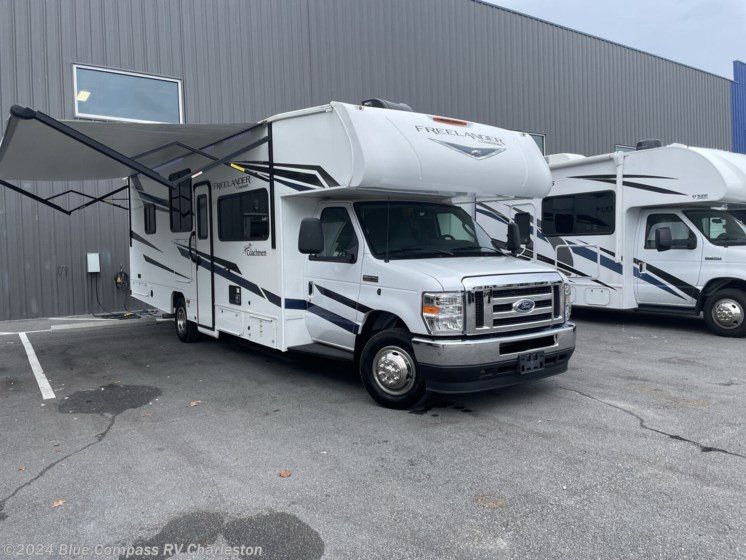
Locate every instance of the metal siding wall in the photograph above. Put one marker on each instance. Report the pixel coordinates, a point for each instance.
(738, 97)
(243, 60)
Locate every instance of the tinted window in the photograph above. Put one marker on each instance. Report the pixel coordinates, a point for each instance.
(407, 230)
(149, 211)
(244, 216)
(718, 226)
(202, 216)
(579, 214)
(180, 201)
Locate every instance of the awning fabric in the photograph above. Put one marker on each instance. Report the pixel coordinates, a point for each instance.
(37, 147)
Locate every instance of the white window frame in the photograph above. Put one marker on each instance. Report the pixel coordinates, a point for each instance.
(92, 116)
(534, 136)
(623, 148)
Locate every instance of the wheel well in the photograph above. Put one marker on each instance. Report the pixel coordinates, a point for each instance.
(176, 296)
(719, 284)
(375, 322)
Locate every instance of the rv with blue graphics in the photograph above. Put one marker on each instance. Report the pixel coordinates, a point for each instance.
(332, 230)
(658, 229)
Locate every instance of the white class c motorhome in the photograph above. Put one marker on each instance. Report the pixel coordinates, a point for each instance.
(659, 229)
(329, 230)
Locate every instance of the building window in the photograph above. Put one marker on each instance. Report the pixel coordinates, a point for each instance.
(180, 201)
(115, 95)
(580, 214)
(540, 140)
(244, 216)
(149, 210)
(623, 148)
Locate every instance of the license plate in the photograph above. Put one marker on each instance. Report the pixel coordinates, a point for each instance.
(533, 361)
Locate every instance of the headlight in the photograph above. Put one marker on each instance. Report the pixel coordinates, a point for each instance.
(568, 303)
(443, 312)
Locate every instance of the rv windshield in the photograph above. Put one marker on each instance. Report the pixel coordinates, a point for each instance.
(720, 227)
(417, 230)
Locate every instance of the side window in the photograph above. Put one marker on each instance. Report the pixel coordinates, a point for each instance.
(340, 241)
(681, 236)
(149, 211)
(580, 214)
(244, 216)
(180, 201)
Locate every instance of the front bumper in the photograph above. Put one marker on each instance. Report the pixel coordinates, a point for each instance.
(466, 365)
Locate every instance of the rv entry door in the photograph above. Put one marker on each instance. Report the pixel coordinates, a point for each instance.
(202, 255)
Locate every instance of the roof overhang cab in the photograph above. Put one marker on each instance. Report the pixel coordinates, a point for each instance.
(37, 147)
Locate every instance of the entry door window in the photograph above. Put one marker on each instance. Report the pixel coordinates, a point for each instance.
(202, 216)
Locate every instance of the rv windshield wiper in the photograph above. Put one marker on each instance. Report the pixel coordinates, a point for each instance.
(419, 250)
(476, 248)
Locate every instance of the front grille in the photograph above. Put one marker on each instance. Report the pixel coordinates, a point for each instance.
(514, 307)
(479, 309)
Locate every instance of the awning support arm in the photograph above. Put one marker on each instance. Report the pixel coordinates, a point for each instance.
(46, 201)
(226, 160)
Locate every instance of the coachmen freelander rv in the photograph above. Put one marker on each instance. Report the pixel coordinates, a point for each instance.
(329, 230)
(656, 229)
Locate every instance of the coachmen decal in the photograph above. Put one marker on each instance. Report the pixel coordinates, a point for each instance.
(249, 251)
(496, 145)
(524, 305)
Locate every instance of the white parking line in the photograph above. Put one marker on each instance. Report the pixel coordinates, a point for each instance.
(41, 379)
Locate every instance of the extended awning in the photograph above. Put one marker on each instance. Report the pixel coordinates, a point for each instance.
(37, 147)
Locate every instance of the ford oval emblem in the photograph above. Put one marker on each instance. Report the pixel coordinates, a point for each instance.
(524, 305)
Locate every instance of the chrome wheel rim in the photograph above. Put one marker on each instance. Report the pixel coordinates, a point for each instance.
(393, 370)
(181, 320)
(727, 314)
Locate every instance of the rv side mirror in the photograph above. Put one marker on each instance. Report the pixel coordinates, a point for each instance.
(311, 236)
(514, 238)
(523, 219)
(663, 239)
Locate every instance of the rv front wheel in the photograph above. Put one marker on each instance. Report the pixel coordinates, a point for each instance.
(388, 370)
(725, 313)
(186, 330)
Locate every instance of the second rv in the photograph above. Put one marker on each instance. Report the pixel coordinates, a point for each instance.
(656, 230)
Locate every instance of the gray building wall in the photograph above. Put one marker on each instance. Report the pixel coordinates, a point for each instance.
(242, 60)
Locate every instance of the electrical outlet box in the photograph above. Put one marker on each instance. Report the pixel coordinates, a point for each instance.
(94, 263)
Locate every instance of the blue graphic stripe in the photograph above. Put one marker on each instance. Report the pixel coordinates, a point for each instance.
(295, 303)
(493, 215)
(655, 282)
(224, 273)
(341, 322)
(591, 255)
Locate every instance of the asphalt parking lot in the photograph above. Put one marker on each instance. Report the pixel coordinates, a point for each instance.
(639, 451)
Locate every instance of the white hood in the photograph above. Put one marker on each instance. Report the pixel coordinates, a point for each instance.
(450, 272)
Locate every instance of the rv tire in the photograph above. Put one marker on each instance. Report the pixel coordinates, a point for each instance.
(388, 370)
(186, 330)
(725, 313)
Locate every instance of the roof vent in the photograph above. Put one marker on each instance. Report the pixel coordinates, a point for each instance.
(648, 144)
(383, 104)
